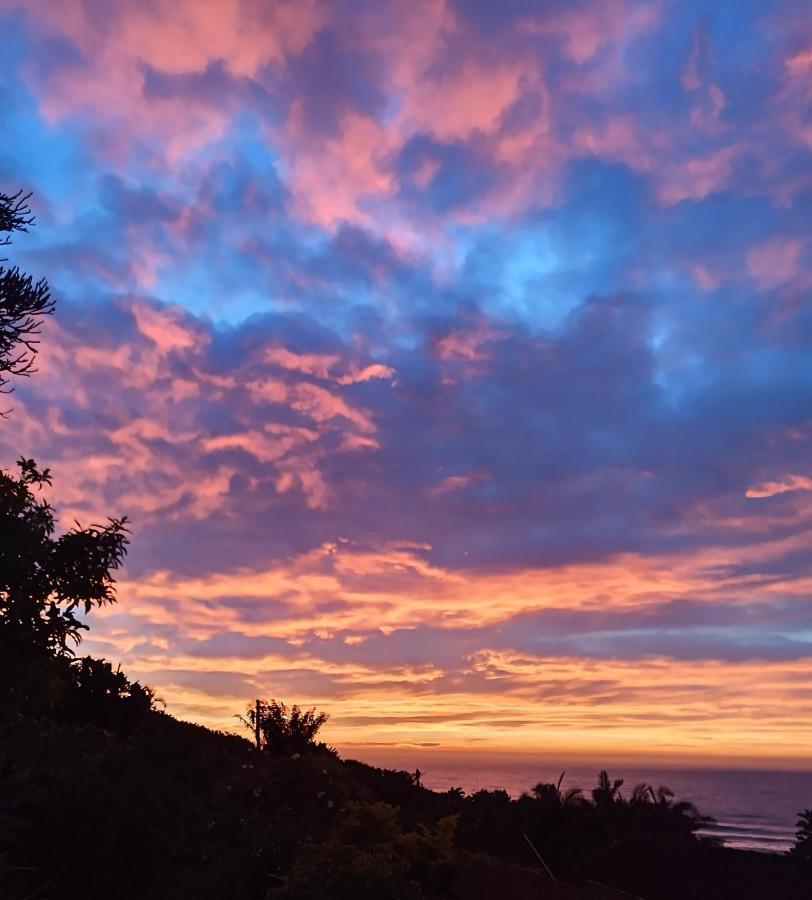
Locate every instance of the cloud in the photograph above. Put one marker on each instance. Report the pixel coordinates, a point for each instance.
(437, 352)
(774, 262)
(786, 485)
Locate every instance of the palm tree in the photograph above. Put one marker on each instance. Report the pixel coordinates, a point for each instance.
(607, 793)
(642, 794)
(663, 796)
(552, 794)
(680, 817)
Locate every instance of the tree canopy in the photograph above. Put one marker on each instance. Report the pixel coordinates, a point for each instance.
(283, 731)
(46, 580)
(23, 301)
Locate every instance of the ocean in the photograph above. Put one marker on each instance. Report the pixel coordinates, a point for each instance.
(754, 810)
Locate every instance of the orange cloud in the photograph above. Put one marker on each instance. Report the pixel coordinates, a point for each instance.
(787, 484)
(500, 702)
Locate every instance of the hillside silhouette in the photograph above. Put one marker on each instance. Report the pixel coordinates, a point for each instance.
(101, 799)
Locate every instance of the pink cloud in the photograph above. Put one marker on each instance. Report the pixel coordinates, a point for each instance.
(455, 483)
(586, 32)
(271, 389)
(182, 36)
(457, 96)
(454, 105)
(166, 330)
(175, 37)
(317, 364)
(698, 80)
(774, 262)
(619, 137)
(705, 277)
(467, 345)
(322, 406)
(696, 178)
(308, 479)
(321, 365)
(375, 370)
(799, 64)
(438, 74)
(154, 392)
(270, 444)
(785, 485)
(333, 178)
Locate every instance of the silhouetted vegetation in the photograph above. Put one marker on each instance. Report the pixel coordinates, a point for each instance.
(803, 836)
(282, 731)
(368, 856)
(45, 581)
(23, 301)
(175, 810)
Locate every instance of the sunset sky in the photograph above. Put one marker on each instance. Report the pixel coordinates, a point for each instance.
(452, 359)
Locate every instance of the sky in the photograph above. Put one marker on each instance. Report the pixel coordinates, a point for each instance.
(449, 358)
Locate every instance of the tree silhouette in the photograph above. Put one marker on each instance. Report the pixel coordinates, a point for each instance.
(607, 793)
(45, 581)
(803, 836)
(642, 794)
(552, 795)
(23, 301)
(100, 694)
(282, 731)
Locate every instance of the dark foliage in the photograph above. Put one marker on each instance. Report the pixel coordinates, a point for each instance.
(174, 810)
(283, 731)
(12, 807)
(94, 693)
(568, 829)
(369, 856)
(46, 581)
(23, 301)
(802, 848)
